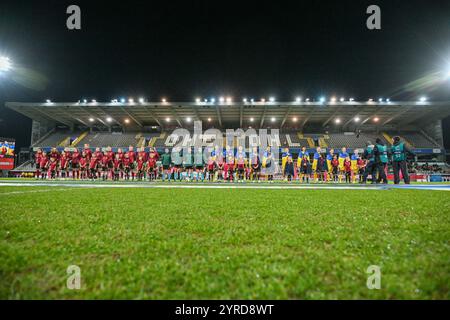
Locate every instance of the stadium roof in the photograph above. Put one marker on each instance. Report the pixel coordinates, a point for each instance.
(257, 114)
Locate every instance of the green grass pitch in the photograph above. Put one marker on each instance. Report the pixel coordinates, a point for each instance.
(223, 243)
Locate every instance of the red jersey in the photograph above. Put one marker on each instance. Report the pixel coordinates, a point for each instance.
(131, 156)
(98, 155)
(347, 166)
(335, 163)
(126, 162)
(93, 163)
(151, 163)
(37, 157)
(76, 157)
(83, 163)
(121, 155)
(360, 162)
(155, 154)
(211, 165)
(220, 163)
(241, 163)
(143, 155)
(110, 156)
(52, 165)
(117, 163)
(63, 161)
(140, 163)
(104, 161)
(54, 154)
(88, 153)
(43, 161)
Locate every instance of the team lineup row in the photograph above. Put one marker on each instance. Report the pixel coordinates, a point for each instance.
(225, 165)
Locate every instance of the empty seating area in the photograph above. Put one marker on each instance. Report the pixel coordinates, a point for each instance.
(352, 140)
(417, 139)
(114, 139)
(53, 139)
(158, 140)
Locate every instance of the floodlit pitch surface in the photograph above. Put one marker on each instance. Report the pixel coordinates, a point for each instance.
(185, 243)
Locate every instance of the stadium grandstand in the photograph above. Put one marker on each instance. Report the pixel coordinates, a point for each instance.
(328, 124)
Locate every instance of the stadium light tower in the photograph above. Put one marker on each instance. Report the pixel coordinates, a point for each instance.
(5, 64)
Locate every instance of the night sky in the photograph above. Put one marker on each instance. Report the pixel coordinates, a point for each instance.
(184, 49)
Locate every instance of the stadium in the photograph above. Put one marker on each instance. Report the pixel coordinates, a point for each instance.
(238, 152)
(326, 124)
(237, 231)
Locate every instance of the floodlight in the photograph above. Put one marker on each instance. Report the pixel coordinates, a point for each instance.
(5, 64)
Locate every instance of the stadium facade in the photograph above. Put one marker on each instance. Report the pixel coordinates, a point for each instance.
(311, 124)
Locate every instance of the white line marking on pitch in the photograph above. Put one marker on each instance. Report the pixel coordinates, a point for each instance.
(173, 186)
(33, 191)
(224, 186)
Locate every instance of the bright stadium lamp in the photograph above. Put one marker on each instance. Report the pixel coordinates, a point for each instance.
(213, 100)
(423, 99)
(48, 101)
(127, 120)
(229, 99)
(109, 119)
(131, 100)
(298, 99)
(322, 99)
(263, 100)
(294, 119)
(197, 100)
(122, 100)
(333, 99)
(209, 119)
(273, 119)
(356, 119)
(167, 119)
(91, 119)
(188, 119)
(337, 121)
(5, 64)
(388, 100)
(342, 99)
(376, 119)
(221, 99)
(251, 119)
(244, 100)
(141, 100)
(272, 99)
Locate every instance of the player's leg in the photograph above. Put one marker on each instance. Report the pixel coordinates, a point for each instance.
(405, 173)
